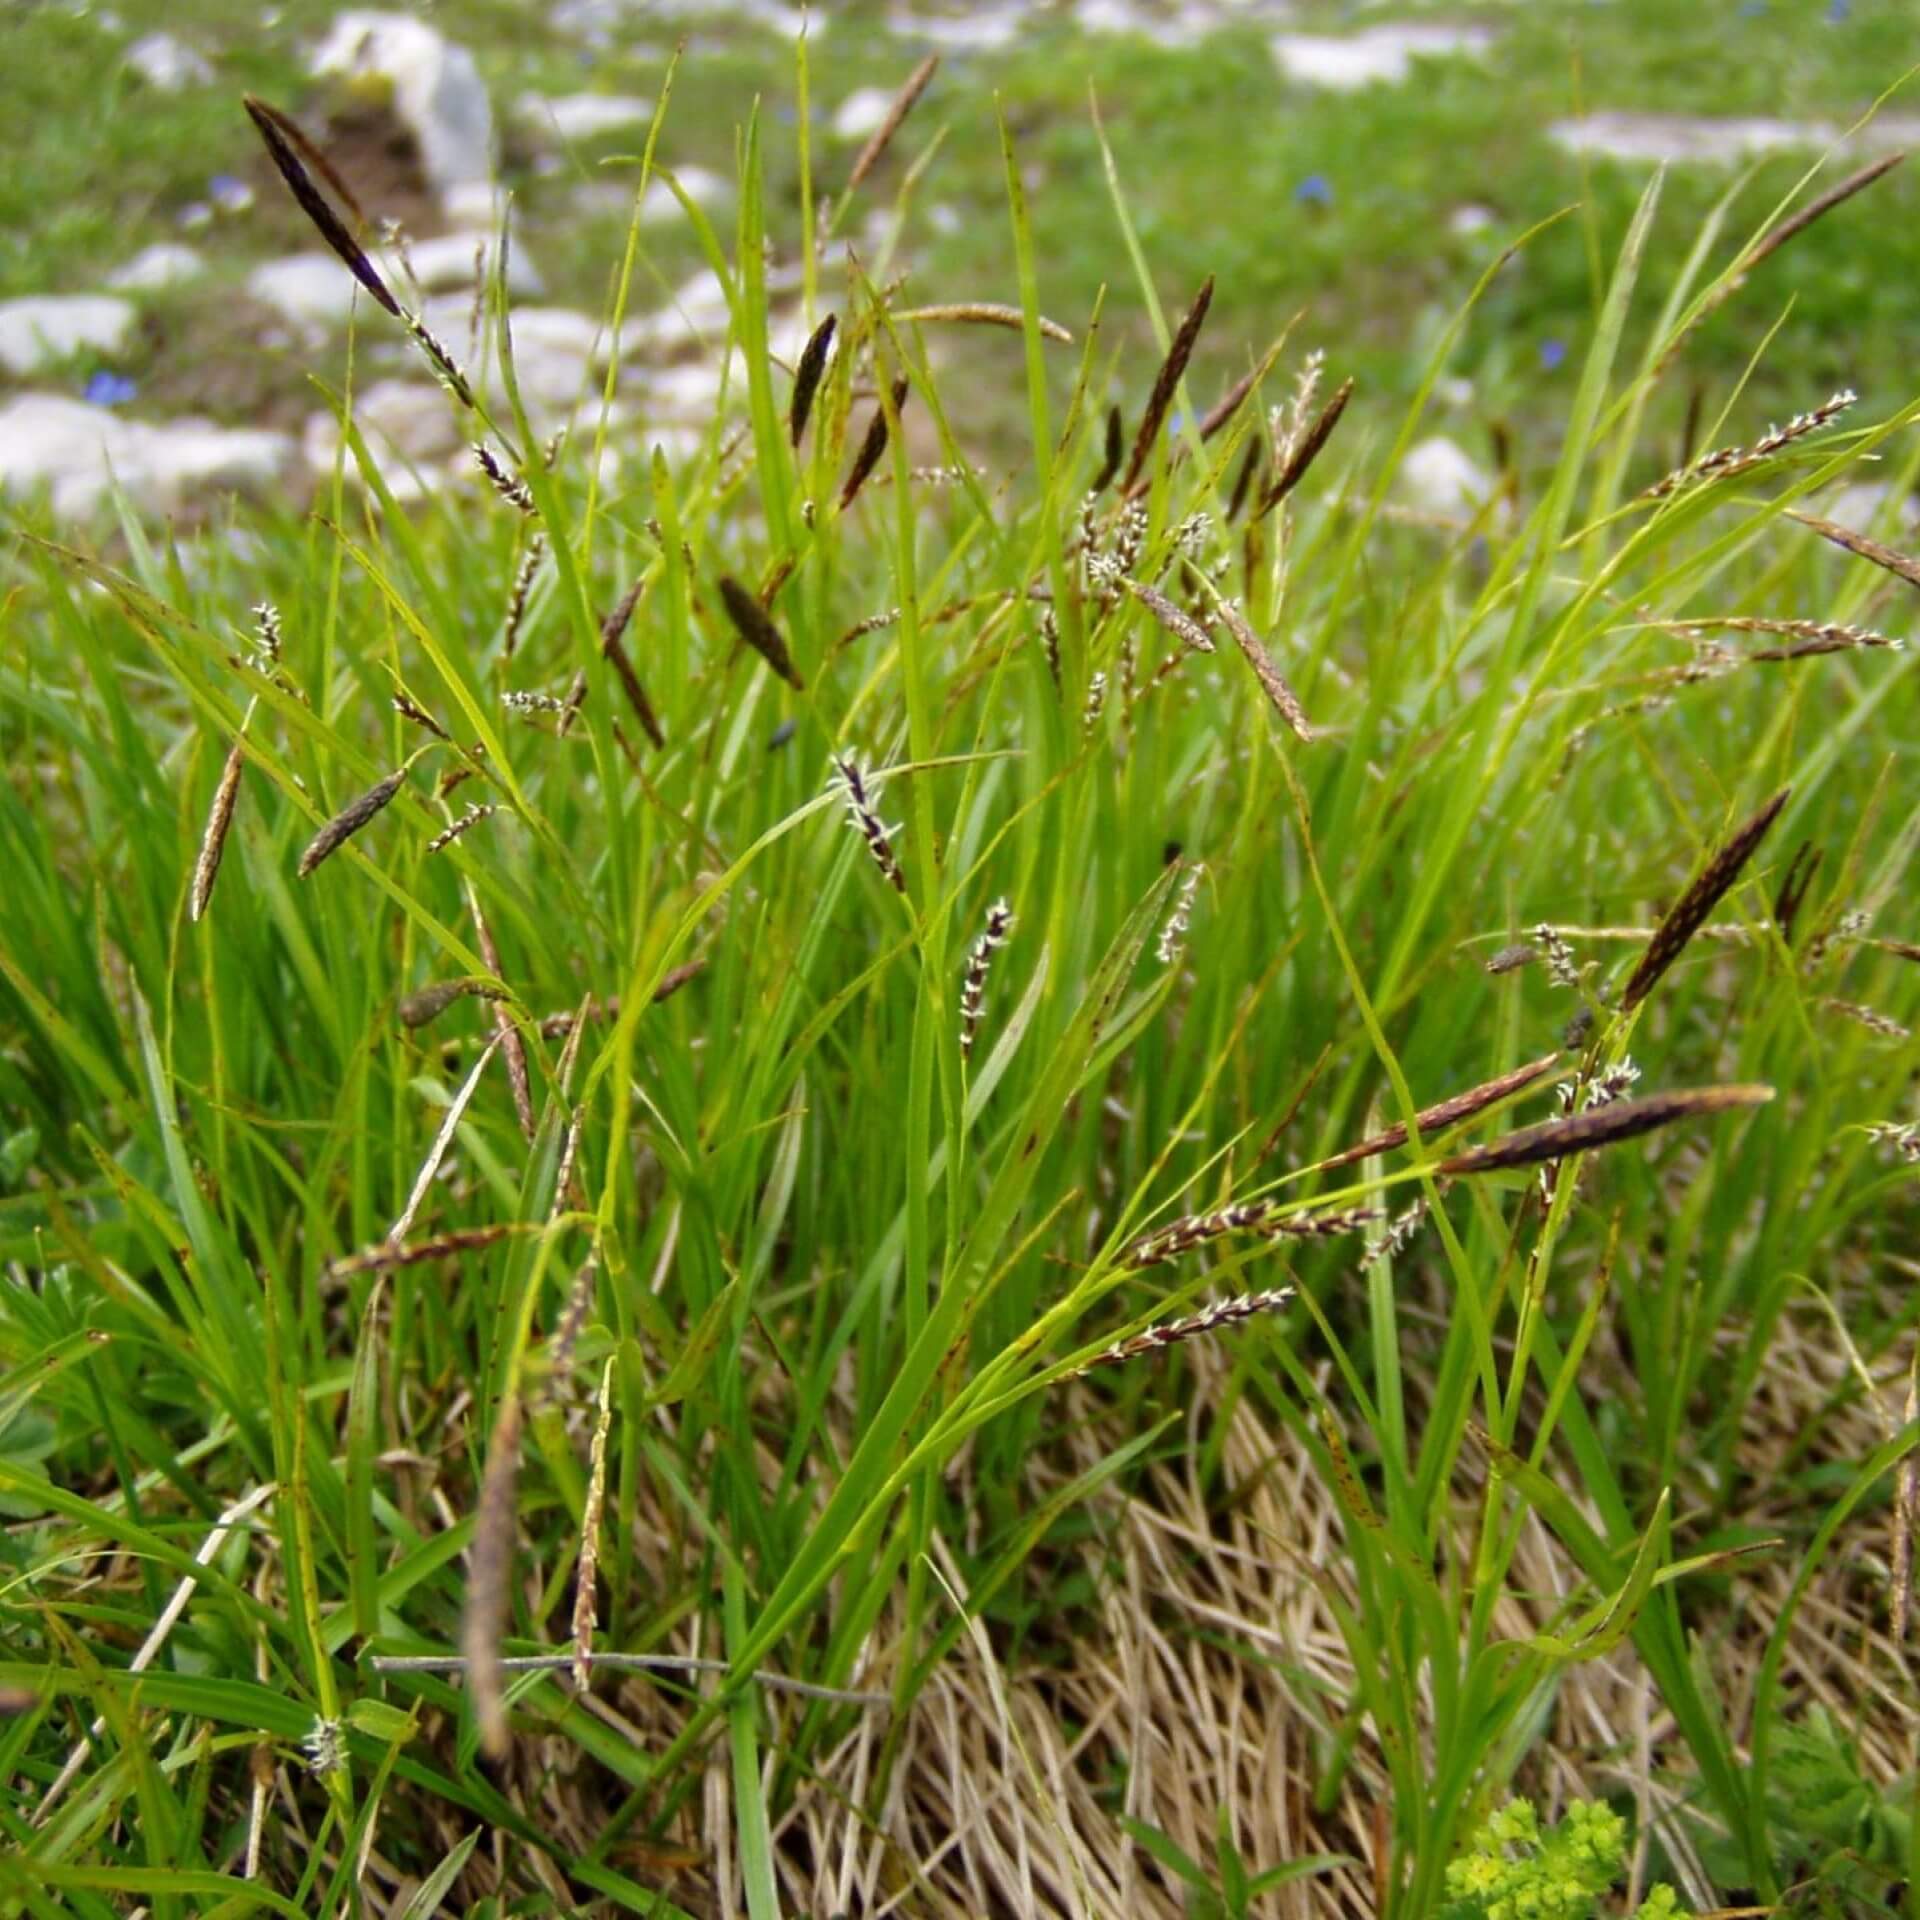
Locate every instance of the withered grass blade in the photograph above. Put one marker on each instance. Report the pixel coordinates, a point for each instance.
(1286, 702)
(1601, 1127)
(285, 144)
(1306, 453)
(1447, 1113)
(806, 376)
(489, 1588)
(1689, 913)
(1167, 382)
(1857, 543)
(755, 626)
(348, 821)
(903, 103)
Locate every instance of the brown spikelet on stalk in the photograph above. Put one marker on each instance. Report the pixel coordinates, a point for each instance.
(566, 1332)
(1794, 885)
(1808, 636)
(384, 1255)
(426, 1004)
(1264, 1217)
(755, 626)
(1305, 452)
(556, 1026)
(806, 376)
(349, 820)
(1182, 626)
(1446, 1113)
(213, 842)
(1777, 237)
(613, 650)
(1233, 399)
(872, 446)
(1858, 543)
(1167, 382)
(409, 708)
(511, 1045)
(290, 150)
(986, 313)
(902, 105)
(1114, 453)
(1273, 683)
(1601, 1127)
(489, 1580)
(587, 1570)
(1689, 913)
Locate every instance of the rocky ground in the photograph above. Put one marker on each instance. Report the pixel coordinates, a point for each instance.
(186, 367)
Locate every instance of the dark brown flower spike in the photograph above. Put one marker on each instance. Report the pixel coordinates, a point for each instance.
(1167, 381)
(872, 447)
(755, 626)
(1689, 913)
(1114, 453)
(1243, 481)
(285, 144)
(1306, 452)
(902, 105)
(1601, 1127)
(806, 376)
(1448, 1112)
(1273, 683)
(349, 820)
(1777, 237)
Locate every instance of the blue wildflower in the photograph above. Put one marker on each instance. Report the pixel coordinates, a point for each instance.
(1837, 11)
(229, 193)
(1316, 190)
(1553, 353)
(110, 390)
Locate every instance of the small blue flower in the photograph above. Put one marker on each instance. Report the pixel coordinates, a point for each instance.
(1553, 354)
(229, 193)
(1176, 423)
(110, 390)
(1316, 190)
(1752, 9)
(1837, 11)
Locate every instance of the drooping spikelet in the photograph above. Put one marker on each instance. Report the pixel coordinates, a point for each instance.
(213, 842)
(856, 785)
(973, 985)
(506, 483)
(1273, 683)
(348, 821)
(897, 110)
(1601, 1127)
(1447, 1113)
(1263, 1217)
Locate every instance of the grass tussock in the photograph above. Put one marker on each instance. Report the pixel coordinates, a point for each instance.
(872, 1403)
